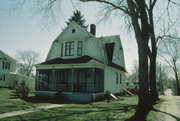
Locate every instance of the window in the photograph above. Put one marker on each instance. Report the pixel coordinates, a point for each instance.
(116, 78)
(9, 65)
(79, 48)
(3, 64)
(62, 47)
(69, 49)
(6, 65)
(1, 78)
(4, 78)
(120, 78)
(73, 30)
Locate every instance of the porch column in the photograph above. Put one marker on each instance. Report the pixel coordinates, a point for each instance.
(52, 81)
(37, 80)
(72, 77)
(94, 79)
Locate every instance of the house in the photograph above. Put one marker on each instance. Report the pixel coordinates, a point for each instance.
(8, 76)
(81, 66)
(7, 66)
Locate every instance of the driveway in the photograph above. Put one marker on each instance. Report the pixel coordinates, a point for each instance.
(170, 108)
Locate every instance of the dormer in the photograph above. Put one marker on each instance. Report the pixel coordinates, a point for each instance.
(71, 42)
(72, 48)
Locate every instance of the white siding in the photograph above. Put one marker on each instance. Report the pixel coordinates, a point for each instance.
(68, 35)
(110, 81)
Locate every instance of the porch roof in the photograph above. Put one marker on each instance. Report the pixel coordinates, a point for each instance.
(83, 59)
(79, 60)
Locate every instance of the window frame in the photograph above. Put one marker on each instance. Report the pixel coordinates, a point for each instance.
(73, 30)
(117, 78)
(69, 48)
(120, 78)
(62, 48)
(79, 48)
(6, 65)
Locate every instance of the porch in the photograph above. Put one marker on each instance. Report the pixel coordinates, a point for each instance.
(86, 80)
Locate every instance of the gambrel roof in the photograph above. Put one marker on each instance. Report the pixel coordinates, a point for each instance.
(105, 48)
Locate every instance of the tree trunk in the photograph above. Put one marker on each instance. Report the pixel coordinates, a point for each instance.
(177, 80)
(152, 56)
(144, 102)
(142, 37)
(152, 77)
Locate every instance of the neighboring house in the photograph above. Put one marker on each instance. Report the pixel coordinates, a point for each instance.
(8, 76)
(81, 66)
(7, 66)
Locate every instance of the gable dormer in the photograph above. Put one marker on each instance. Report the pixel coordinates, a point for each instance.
(73, 31)
(70, 43)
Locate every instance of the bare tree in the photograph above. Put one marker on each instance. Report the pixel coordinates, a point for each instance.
(135, 70)
(26, 59)
(142, 21)
(137, 11)
(140, 15)
(162, 76)
(170, 53)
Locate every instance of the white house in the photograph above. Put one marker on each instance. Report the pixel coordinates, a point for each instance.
(8, 75)
(82, 66)
(7, 66)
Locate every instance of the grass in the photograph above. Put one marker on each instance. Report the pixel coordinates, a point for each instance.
(9, 103)
(152, 116)
(95, 111)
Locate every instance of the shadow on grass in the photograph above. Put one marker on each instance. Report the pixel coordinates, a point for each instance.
(85, 112)
(177, 119)
(35, 99)
(140, 115)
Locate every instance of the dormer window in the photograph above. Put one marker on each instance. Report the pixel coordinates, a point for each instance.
(79, 48)
(69, 48)
(73, 30)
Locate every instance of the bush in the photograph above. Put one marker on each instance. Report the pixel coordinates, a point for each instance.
(20, 90)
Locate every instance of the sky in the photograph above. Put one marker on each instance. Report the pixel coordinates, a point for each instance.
(25, 29)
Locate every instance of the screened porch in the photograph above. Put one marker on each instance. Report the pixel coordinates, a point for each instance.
(70, 80)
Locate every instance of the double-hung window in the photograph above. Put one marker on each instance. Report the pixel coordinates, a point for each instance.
(62, 48)
(69, 48)
(6, 65)
(79, 48)
(120, 78)
(116, 78)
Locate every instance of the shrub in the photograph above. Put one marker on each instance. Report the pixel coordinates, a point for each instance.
(21, 90)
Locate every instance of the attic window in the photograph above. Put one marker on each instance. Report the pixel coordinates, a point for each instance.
(73, 30)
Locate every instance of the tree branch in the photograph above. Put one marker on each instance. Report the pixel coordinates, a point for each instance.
(109, 3)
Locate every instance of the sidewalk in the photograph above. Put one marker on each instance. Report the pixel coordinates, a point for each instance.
(20, 112)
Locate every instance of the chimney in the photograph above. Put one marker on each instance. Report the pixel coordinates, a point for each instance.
(93, 29)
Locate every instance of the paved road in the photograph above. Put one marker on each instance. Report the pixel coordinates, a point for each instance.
(20, 112)
(170, 108)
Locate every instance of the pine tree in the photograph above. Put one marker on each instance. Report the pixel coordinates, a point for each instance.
(78, 18)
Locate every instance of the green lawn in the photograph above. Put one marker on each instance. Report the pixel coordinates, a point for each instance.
(9, 103)
(96, 111)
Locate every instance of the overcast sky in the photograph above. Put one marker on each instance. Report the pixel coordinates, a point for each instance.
(24, 28)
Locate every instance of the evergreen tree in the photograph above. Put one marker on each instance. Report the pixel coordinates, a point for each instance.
(78, 18)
